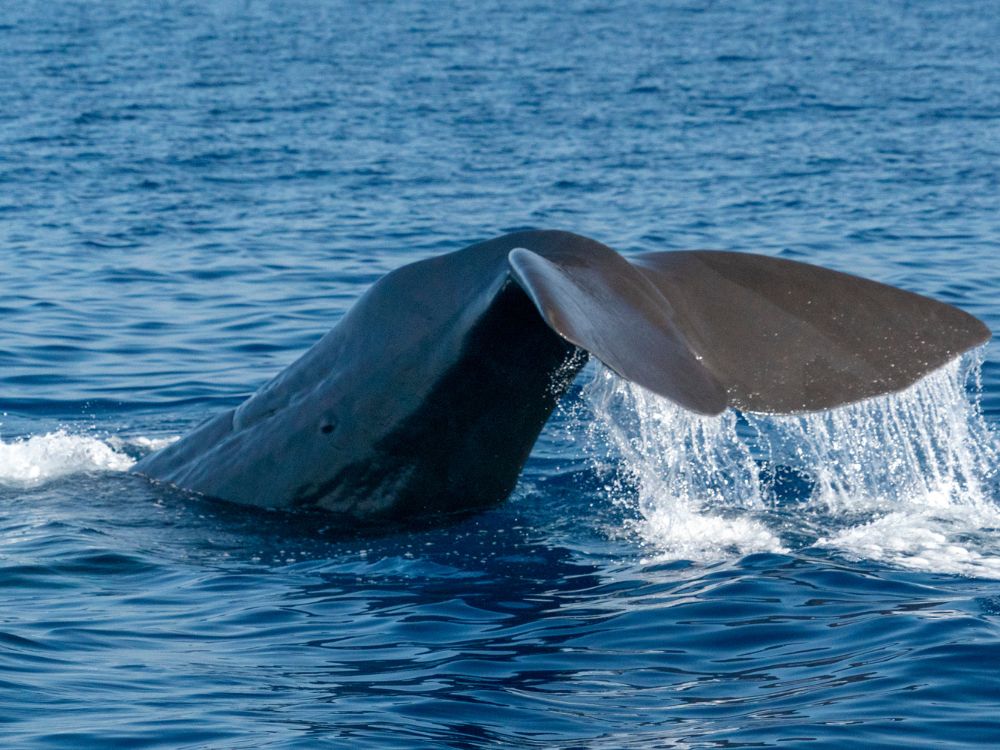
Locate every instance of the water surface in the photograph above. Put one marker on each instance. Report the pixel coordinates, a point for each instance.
(192, 193)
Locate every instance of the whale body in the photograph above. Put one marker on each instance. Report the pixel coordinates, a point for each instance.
(430, 392)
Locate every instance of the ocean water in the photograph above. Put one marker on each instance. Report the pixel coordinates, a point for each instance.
(192, 193)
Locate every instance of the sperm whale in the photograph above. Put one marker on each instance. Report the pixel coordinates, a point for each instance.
(430, 392)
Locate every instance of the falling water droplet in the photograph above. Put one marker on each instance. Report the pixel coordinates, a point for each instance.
(909, 478)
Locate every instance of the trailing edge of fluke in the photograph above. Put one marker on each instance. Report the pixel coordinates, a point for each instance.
(429, 393)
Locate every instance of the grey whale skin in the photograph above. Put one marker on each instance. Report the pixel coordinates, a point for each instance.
(429, 393)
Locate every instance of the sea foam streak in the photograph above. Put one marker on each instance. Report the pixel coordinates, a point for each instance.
(909, 478)
(41, 458)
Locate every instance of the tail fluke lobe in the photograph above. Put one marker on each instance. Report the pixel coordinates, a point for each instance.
(785, 337)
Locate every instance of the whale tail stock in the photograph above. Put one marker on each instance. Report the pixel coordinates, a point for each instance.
(430, 392)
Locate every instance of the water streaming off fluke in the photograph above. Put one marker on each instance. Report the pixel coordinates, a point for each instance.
(909, 478)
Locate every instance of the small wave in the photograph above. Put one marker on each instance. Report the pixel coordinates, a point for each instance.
(909, 478)
(41, 458)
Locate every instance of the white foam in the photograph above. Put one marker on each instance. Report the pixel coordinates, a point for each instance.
(41, 458)
(909, 478)
(951, 542)
(144, 443)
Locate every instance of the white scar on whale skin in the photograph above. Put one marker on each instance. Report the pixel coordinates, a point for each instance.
(430, 392)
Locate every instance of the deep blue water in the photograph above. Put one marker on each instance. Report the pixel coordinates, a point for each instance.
(192, 193)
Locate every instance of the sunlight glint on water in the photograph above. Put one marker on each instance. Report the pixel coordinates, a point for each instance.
(908, 478)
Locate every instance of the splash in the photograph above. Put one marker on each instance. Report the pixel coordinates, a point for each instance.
(41, 458)
(909, 478)
(695, 479)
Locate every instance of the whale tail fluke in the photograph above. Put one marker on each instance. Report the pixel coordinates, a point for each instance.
(711, 329)
(784, 336)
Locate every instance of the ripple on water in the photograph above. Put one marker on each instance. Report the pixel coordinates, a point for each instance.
(193, 193)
